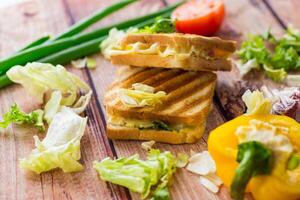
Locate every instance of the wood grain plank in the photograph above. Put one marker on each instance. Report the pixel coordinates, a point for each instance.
(285, 11)
(186, 185)
(31, 20)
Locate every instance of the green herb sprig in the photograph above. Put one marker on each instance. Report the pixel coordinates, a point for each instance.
(276, 56)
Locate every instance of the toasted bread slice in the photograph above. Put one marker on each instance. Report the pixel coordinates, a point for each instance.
(184, 51)
(124, 133)
(181, 40)
(188, 99)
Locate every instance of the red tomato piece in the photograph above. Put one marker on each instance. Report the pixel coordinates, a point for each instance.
(202, 17)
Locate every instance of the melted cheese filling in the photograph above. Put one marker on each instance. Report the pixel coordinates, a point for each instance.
(145, 124)
(165, 51)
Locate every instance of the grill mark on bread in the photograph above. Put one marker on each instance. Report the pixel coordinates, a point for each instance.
(156, 78)
(195, 88)
(162, 77)
(185, 97)
(126, 72)
(193, 110)
(195, 99)
(145, 74)
(123, 77)
(168, 86)
(172, 83)
(137, 77)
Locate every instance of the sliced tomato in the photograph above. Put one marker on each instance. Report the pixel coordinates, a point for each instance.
(202, 17)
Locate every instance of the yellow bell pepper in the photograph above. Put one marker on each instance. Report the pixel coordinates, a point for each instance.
(281, 182)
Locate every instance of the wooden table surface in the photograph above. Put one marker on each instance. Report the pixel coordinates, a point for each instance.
(26, 21)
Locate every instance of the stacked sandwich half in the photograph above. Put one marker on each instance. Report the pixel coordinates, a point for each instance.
(164, 87)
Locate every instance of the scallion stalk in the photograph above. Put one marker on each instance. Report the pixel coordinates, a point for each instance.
(39, 52)
(88, 21)
(36, 43)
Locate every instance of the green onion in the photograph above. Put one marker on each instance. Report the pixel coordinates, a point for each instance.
(4, 81)
(75, 52)
(88, 44)
(131, 22)
(84, 49)
(39, 52)
(88, 21)
(36, 43)
(81, 25)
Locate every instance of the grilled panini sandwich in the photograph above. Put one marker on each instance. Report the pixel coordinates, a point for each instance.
(179, 117)
(175, 50)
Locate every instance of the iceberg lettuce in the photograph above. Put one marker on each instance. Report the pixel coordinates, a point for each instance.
(54, 104)
(40, 78)
(148, 177)
(61, 146)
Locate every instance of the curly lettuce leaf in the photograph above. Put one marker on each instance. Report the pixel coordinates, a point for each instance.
(160, 25)
(276, 56)
(82, 103)
(275, 74)
(285, 58)
(256, 103)
(54, 104)
(254, 48)
(246, 67)
(15, 115)
(161, 194)
(150, 176)
(39, 78)
(61, 146)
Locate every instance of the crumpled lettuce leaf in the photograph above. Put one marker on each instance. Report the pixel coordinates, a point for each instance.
(246, 67)
(61, 146)
(256, 103)
(39, 78)
(82, 103)
(148, 177)
(141, 95)
(84, 62)
(161, 194)
(182, 160)
(54, 104)
(275, 74)
(254, 48)
(15, 115)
